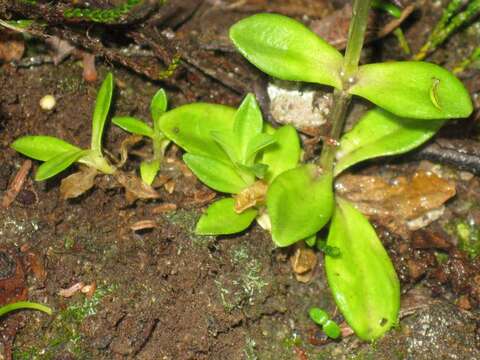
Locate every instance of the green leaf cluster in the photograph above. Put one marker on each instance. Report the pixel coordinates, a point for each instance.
(58, 154)
(286, 49)
(230, 150)
(414, 100)
(158, 106)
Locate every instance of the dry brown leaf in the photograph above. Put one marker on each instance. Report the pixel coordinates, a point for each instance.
(89, 70)
(135, 188)
(72, 290)
(163, 208)
(12, 46)
(143, 225)
(170, 186)
(89, 290)
(78, 183)
(402, 198)
(251, 196)
(303, 263)
(61, 48)
(16, 184)
(126, 145)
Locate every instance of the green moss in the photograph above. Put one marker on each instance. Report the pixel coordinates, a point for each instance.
(469, 238)
(187, 220)
(249, 351)
(242, 290)
(63, 334)
(105, 16)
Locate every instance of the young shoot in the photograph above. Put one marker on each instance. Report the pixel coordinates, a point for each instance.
(232, 152)
(414, 99)
(149, 168)
(330, 327)
(57, 155)
(24, 305)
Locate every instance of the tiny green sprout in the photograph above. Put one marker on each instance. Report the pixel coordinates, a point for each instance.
(320, 317)
(328, 250)
(149, 168)
(233, 152)
(24, 305)
(58, 154)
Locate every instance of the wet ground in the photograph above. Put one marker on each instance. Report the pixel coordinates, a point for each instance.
(164, 293)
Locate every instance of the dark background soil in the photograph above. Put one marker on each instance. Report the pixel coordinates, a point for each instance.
(164, 293)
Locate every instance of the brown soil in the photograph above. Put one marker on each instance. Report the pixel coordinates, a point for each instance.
(164, 293)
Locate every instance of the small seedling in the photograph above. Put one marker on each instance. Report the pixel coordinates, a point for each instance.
(24, 305)
(232, 152)
(158, 106)
(415, 98)
(58, 154)
(320, 317)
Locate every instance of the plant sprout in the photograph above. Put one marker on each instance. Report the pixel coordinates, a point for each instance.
(158, 106)
(415, 98)
(320, 317)
(58, 154)
(24, 305)
(232, 152)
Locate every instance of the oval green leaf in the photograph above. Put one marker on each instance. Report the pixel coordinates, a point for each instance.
(286, 49)
(380, 133)
(158, 105)
(149, 170)
(413, 89)
(257, 144)
(42, 147)
(248, 124)
(133, 125)
(100, 113)
(363, 280)
(221, 219)
(57, 164)
(215, 174)
(190, 127)
(282, 155)
(299, 203)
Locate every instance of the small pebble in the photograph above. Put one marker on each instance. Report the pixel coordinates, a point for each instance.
(47, 102)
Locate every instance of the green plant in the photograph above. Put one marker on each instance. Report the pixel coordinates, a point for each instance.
(320, 317)
(58, 154)
(452, 19)
(24, 305)
(232, 152)
(102, 15)
(158, 106)
(414, 99)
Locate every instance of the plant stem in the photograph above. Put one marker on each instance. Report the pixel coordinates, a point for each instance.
(356, 35)
(24, 305)
(341, 98)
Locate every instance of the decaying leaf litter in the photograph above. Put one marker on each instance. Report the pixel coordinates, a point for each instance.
(154, 285)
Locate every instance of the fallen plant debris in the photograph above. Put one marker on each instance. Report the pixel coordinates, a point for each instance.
(16, 185)
(397, 200)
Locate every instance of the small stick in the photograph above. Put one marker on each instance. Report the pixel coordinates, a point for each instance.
(17, 184)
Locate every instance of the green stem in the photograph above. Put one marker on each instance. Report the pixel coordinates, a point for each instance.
(24, 305)
(356, 35)
(341, 98)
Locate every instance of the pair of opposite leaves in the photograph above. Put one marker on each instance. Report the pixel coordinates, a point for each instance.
(286, 49)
